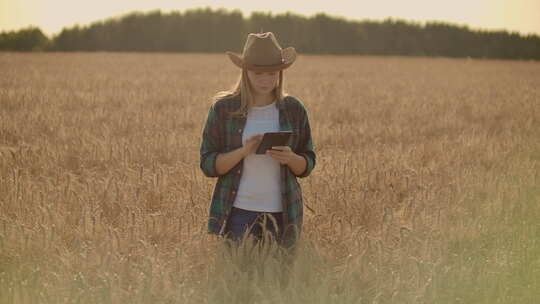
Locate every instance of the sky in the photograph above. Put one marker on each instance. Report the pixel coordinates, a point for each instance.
(51, 16)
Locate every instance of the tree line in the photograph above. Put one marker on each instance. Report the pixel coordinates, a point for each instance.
(209, 30)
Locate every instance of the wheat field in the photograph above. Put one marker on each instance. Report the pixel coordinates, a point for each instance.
(426, 189)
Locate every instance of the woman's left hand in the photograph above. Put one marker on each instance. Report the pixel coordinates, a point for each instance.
(282, 154)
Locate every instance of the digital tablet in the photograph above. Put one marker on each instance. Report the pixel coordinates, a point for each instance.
(273, 139)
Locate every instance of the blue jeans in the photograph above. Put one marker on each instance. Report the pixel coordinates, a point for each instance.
(241, 220)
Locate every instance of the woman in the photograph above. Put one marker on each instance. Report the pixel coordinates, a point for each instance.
(256, 190)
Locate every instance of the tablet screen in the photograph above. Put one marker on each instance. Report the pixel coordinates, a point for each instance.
(272, 139)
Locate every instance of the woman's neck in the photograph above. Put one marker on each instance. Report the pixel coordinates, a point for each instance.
(263, 100)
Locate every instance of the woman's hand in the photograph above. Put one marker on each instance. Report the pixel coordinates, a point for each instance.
(251, 144)
(282, 154)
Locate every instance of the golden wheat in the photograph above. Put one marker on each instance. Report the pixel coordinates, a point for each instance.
(426, 188)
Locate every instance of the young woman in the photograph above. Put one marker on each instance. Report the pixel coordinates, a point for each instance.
(257, 191)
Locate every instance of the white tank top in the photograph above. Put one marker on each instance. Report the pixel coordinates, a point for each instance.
(260, 184)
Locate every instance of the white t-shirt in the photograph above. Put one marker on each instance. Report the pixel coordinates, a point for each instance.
(260, 184)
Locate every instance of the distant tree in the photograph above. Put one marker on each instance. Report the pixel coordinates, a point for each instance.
(218, 30)
(28, 39)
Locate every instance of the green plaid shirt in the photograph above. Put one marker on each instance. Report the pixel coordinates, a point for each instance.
(223, 133)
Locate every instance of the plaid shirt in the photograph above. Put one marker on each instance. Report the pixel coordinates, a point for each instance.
(223, 133)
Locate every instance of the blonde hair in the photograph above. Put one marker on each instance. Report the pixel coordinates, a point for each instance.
(243, 89)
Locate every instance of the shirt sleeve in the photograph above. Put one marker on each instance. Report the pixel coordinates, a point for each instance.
(306, 144)
(210, 144)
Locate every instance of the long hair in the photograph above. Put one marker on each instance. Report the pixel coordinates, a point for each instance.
(243, 89)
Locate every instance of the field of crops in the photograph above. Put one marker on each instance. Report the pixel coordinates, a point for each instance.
(426, 189)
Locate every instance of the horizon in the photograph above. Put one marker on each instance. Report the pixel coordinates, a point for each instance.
(481, 15)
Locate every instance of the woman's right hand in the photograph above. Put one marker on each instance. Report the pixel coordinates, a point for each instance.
(251, 144)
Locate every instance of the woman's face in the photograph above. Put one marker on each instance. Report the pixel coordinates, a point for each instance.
(263, 82)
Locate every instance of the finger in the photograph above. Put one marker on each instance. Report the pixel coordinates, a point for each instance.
(279, 152)
(281, 160)
(278, 157)
(281, 148)
(257, 137)
(274, 152)
(254, 136)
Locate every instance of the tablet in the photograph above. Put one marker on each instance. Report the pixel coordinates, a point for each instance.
(273, 139)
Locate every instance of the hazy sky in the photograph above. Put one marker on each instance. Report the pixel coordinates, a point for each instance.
(51, 15)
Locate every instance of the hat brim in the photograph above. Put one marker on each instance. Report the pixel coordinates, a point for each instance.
(288, 56)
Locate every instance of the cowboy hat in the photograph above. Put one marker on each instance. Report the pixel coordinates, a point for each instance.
(262, 53)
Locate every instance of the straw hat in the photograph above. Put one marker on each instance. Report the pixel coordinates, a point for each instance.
(262, 53)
